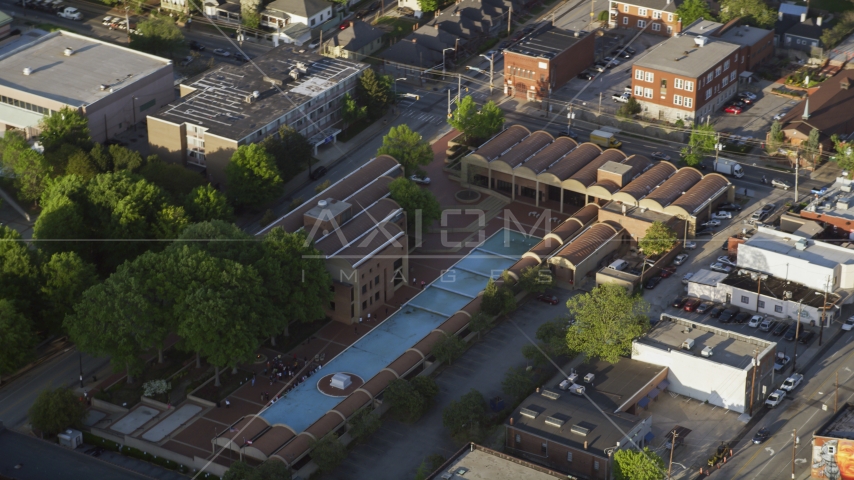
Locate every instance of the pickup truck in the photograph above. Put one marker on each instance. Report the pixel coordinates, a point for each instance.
(775, 398)
(621, 97)
(70, 13)
(792, 382)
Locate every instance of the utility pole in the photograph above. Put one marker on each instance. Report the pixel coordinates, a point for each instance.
(823, 312)
(600, 103)
(449, 103)
(759, 292)
(491, 65)
(672, 447)
(569, 120)
(797, 331)
(127, 21)
(836, 399)
(509, 19)
(717, 145)
(797, 167)
(753, 382)
(794, 449)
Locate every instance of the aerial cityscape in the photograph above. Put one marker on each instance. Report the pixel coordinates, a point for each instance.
(426, 239)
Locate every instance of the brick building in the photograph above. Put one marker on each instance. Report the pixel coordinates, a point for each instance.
(545, 61)
(655, 16)
(567, 432)
(833, 446)
(694, 74)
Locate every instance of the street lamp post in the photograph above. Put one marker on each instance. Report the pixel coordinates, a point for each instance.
(443, 58)
(491, 59)
(395, 87)
(80, 361)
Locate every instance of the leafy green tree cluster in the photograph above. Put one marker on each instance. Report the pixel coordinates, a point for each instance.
(253, 177)
(476, 125)
(16, 338)
(518, 383)
(364, 423)
(638, 465)
(158, 36)
(449, 349)
(269, 470)
(375, 92)
(56, 410)
(64, 127)
(607, 319)
(410, 399)
(551, 343)
(690, 10)
(29, 168)
(351, 111)
(811, 148)
(844, 154)
(752, 12)
(536, 279)
(497, 300)
(407, 147)
(467, 418)
(428, 6)
(629, 109)
(290, 150)
(419, 204)
(659, 239)
(700, 144)
(328, 453)
(776, 137)
(480, 322)
(831, 37)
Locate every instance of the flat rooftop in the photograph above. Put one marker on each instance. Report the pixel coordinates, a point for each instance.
(730, 348)
(817, 252)
(775, 287)
(744, 35)
(708, 277)
(547, 42)
(220, 100)
(74, 80)
(613, 385)
(681, 56)
(474, 462)
(841, 425)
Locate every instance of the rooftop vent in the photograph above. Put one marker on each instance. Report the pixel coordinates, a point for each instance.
(801, 244)
(550, 395)
(104, 86)
(256, 94)
(68, 51)
(28, 70)
(579, 430)
(700, 41)
(555, 422)
(321, 203)
(527, 412)
(787, 295)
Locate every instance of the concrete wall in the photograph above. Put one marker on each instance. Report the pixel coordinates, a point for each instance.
(696, 377)
(786, 267)
(775, 307)
(167, 140)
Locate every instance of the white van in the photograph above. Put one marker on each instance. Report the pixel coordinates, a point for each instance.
(619, 265)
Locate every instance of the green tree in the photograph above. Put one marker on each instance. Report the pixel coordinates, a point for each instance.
(658, 239)
(64, 216)
(375, 91)
(206, 203)
(328, 453)
(631, 464)
(449, 349)
(124, 159)
(476, 125)
(238, 471)
(351, 112)
(158, 36)
(843, 27)
(64, 278)
(844, 155)
(536, 279)
(408, 148)
(690, 10)
(700, 144)
(534, 353)
(18, 271)
(406, 402)
(426, 387)
(753, 12)
(364, 423)
(810, 149)
(428, 5)
(67, 126)
(629, 109)
(175, 180)
(552, 335)
(55, 410)
(776, 137)
(271, 470)
(518, 383)
(607, 319)
(419, 203)
(16, 340)
(497, 300)
(253, 178)
(31, 171)
(480, 322)
(82, 164)
(291, 151)
(467, 417)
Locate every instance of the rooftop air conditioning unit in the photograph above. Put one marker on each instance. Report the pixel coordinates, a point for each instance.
(28, 70)
(701, 41)
(801, 244)
(68, 51)
(787, 295)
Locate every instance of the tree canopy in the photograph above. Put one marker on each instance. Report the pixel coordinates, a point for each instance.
(775, 137)
(158, 36)
(206, 203)
(66, 126)
(64, 278)
(476, 125)
(328, 453)
(659, 238)
(811, 148)
(407, 147)
(253, 178)
(428, 5)
(607, 319)
(290, 150)
(844, 155)
(518, 383)
(406, 401)
(30, 168)
(690, 10)
(497, 300)
(449, 349)
(536, 279)
(753, 12)
(351, 111)
(631, 464)
(466, 418)
(56, 410)
(701, 143)
(375, 91)
(16, 340)
(419, 203)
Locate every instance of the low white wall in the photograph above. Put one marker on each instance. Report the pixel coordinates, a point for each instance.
(696, 377)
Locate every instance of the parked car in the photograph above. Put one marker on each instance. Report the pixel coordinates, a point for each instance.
(420, 180)
(585, 76)
(680, 259)
(222, 52)
(704, 232)
(374, 6)
(194, 45)
(107, 21)
(726, 261)
(568, 133)
(769, 207)
(660, 156)
(612, 62)
(729, 207)
(793, 332)
(805, 337)
(628, 49)
(187, 60)
(705, 307)
(767, 325)
(726, 315)
(344, 25)
(722, 215)
(690, 245)
(775, 398)
(692, 304)
(757, 216)
(599, 67)
(550, 299)
(679, 302)
(777, 183)
(849, 324)
(781, 363)
(653, 282)
(819, 191)
(317, 173)
(241, 57)
(716, 311)
(620, 54)
(687, 277)
(720, 267)
(733, 110)
(741, 317)
(712, 223)
(748, 95)
(762, 435)
(667, 272)
(780, 329)
(792, 382)
(782, 114)
(755, 321)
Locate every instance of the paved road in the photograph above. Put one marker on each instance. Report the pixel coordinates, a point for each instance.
(63, 370)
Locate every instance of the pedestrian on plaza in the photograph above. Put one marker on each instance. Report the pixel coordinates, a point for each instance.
(227, 403)
(369, 317)
(422, 284)
(253, 380)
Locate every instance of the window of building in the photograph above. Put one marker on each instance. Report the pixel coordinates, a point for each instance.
(638, 74)
(669, 30)
(670, 17)
(724, 82)
(726, 65)
(710, 77)
(638, 91)
(518, 440)
(145, 106)
(377, 296)
(398, 263)
(544, 447)
(718, 72)
(708, 94)
(596, 465)
(778, 308)
(732, 77)
(656, 14)
(364, 289)
(641, 23)
(656, 27)
(744, 299)
(625, 20)
(678, 83)
(761, 304)
(689, 102)
(364, 305)
(649, 76)
(377, 280)
(689, 86)
(642, 12)
(625, 9)
(647, 92)
(352, 311)
(569, 457)
(677, 100)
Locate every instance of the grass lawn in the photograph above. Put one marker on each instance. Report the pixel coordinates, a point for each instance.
(832, 5)
(47, 27)
(130, 393)
(400, 26)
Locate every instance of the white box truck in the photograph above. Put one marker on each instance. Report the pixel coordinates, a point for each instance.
(729, 167)
(605, 139)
